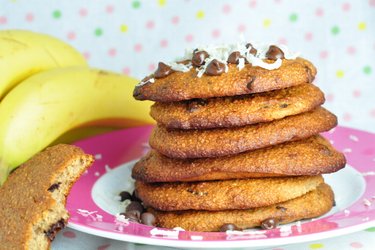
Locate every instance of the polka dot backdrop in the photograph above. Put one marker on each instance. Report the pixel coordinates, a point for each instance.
(132, 36)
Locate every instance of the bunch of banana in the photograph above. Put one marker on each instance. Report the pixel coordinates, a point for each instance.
(37, 108)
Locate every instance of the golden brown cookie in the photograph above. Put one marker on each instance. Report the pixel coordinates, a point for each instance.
(312, 156)
(237, 110)
(313, 204)
(221, 195)
(228, 141)
(32, 200)
(180, 86)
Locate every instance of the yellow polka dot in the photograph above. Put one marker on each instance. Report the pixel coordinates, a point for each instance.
(266, 23)
(162, 2)
(362, 26)
(340, 74)
(316, 246)
(200, 14)
(124, 28)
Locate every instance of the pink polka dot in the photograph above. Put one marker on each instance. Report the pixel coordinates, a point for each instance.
(351, 50)
(71, 35)
(163, 43)
(138, 47)
(86, 55)
(150, 25)
(346, 6)
(126, 71)
(69, 234)
(372, 3)
(151, 67)
(252, 3)
(277, 1)
(83, 12)
(29, 17)
(241, 27)
(104, 247)
(308, 36)
(282, 40)
(356, 245)
(215, 33)
(175, 20)
(329, 97)
(109, 9)
(319, 12)
(189, 38)
(226, 9)
(323, 54)
(3, 20)
(347, 117)
(112, 52)
(357, 93)
(372, 113)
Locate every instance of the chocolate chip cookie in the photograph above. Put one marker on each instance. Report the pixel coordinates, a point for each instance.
(225, 194)
(32, 200)
(313, 204)
(312, 156)
(228, 141)
(180, 86)
(237, 110)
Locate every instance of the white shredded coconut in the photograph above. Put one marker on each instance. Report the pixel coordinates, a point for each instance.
(366, 202)
(368, 173)
(178, 229)
(241, 63)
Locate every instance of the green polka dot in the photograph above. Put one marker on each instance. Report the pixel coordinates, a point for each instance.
(335, 30)
(371, 229)
(340, 73)
(367, 70)
(98, 32)
(293, 17)
(136, 4)
(316, 246)
(56, 14)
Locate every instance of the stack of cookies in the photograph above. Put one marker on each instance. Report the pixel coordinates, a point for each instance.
(237, 141)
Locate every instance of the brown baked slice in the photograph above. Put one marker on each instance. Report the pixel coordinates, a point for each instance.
(311, 156)
(313, 204)
(180, 86)
(228, 141)
(223, 195)
(237, 110)
(32, 200)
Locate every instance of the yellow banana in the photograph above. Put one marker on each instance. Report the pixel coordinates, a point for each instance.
(24, 53)
(44, 106)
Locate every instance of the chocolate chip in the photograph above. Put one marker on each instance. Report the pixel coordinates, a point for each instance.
(228, 226)
(54, 229)
(310, 77)
(54, 186)
(283, 209)
(148, 219)
(250, 83)
(163, 70)
(131, 216)
(199, 57)
(215, 68)
(125, 195)
(334, 203)
(269, 223)
(135, 196)
(252, 51)
(274, 53)
(234, 57)
(136, 206)
(283, 105)
(194, 104)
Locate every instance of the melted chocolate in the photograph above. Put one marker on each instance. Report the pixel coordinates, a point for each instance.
(274, 53)
(54, 229)
(163, 70)
(215, 68)
(269, 223)
(199, 57)
(54, 186)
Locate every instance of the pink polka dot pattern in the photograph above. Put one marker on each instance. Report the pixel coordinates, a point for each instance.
(282, 40)
(346, 6)
(323, 54)
(215, 33)
(372, 3)
(175, 20)
(241, 28)
(356, 245)
(109, 9)
(308, 36)
(151, 67)
(112, 52)
(319, 12)
(351, 50)
(226, 9)
(29, 17)
(150, 24)
(138, 47)
(189, 38)
(357, 93)
(69, 234)
(83, 12)
(87, 55)
(126, 71)
(347, 117)
(252, 3)
(71, 35)
(163, 43)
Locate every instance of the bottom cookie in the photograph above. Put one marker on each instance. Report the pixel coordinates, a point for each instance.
(313, 204)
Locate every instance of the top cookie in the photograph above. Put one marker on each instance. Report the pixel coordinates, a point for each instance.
(225, 71)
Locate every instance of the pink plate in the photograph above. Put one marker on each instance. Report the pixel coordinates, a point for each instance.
(92, 202)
